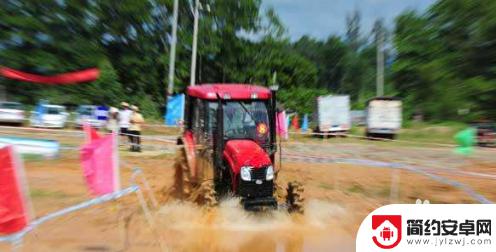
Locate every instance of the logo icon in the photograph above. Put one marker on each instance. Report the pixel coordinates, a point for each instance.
(262, 128)
(386, 230)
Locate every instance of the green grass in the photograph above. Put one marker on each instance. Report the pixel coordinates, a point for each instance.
(383, 191)
(356, 188)
(437, 133)
(41, 193)
(164, 156)
(157, 130)
(326, 186)
(32, 157)
(413, 134)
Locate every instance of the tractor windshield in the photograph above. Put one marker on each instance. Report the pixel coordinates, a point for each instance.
(245, 120)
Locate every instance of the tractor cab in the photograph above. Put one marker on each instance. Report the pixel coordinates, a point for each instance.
(229, 145)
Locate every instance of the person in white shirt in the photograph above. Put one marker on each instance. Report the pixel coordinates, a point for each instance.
(125, 119)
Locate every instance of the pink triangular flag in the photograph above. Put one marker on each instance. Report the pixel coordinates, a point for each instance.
(99, 164)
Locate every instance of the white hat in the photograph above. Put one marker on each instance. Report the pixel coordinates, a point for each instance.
(124, 104)
(135, 108)
(113, 110)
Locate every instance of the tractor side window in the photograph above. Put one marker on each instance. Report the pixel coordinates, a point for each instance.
(210, 121)
(211, 117)
(198, 119)
(188, 115)
(195, 114)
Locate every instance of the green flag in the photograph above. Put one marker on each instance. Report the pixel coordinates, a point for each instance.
(465, 140)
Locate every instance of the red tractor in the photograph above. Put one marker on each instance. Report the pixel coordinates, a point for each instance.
(229, 148)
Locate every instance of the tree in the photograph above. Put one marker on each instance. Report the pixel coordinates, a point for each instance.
(444, 58)
(444, 61)
(300, 99)
(327, 56)
(353, 37)
(106, 89)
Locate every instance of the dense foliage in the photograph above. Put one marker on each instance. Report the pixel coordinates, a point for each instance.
(445, 65)
(441, 61)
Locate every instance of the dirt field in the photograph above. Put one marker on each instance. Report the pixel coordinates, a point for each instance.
(338, 195)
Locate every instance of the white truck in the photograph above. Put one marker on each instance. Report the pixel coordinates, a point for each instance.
(333, 114)
(383, 117)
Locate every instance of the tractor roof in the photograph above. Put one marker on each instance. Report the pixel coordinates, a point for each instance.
(228, 91)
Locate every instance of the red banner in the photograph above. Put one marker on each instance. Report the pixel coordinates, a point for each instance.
(13, 210)
(65, 78)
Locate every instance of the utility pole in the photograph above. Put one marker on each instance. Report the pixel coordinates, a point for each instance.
(380, 64)
(172, 56)
(195, 42)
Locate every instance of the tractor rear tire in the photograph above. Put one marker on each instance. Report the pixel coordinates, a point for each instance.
(295, 198)
(186, 189)
(207, 195)
(182, 176)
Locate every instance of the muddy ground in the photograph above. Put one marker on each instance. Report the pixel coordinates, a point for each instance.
(338, 196)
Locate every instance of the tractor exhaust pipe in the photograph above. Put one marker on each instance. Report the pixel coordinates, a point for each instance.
(219, 139)
(272, 121)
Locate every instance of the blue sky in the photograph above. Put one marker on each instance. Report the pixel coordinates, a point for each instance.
(320, 18)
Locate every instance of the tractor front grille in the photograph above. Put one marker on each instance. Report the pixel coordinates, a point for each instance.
(251, 189)
(259, 173)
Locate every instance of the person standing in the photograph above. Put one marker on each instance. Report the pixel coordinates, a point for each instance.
(135, 129)
(124, 120)
(113, 120)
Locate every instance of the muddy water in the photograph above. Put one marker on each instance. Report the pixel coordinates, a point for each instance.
(186, 227)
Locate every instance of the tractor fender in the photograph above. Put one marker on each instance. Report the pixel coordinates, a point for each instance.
(189, 148)
(243, 152)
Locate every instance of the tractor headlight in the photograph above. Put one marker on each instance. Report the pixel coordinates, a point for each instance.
(246, 173)
(270, 173)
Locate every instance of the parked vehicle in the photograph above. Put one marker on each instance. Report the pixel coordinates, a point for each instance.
(49, 116)
(12, 112)
(333, 114)
(486, 133)
(383, 117)
(90, 114)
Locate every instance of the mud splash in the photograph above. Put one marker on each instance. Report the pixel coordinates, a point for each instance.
(187, 227)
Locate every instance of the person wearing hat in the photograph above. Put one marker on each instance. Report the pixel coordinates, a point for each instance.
(135, 129)
(113, 120)
(124, 119)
